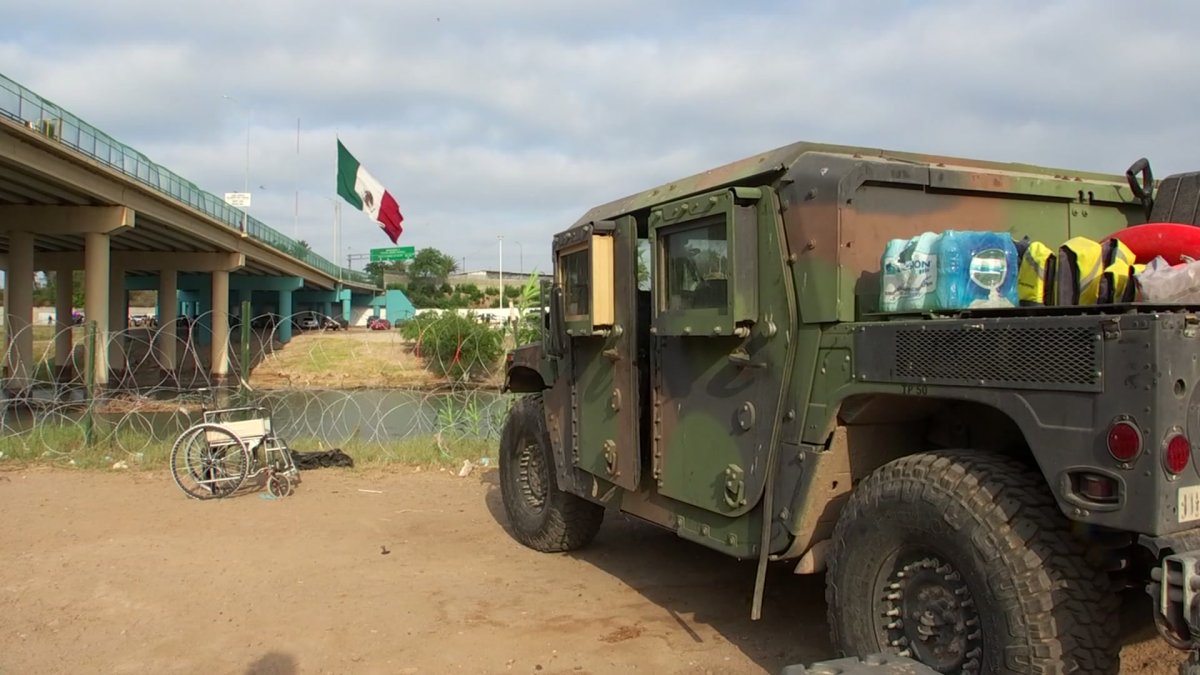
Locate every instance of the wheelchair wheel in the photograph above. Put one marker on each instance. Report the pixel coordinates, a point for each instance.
(279, 485)
(209, 462)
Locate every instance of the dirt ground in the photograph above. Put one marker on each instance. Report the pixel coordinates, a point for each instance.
(391, 571)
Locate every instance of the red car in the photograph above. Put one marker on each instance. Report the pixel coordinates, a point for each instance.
(378, 324)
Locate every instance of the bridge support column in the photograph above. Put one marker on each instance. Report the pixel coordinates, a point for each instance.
(19, 309)
(168, 314)
(202, 329)
(344, 294)
(283, 332)
(220, 325)
(64, 343)
(95, 296)
(118, 319)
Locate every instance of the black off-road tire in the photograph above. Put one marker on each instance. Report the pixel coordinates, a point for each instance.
(963, 561)
(541, 516)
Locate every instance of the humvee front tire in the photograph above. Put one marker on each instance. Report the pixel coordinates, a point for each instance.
(541, 516)
(963, 561)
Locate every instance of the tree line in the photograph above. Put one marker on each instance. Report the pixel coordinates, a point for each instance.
(424, 279)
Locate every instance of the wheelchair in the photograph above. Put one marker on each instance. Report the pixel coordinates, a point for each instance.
(215, 458)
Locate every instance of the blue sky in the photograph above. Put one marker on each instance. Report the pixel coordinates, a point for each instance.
(487, 118)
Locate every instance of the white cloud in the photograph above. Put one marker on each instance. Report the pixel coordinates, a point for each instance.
(515, 118)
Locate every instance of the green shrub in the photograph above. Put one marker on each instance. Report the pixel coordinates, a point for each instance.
(458, 347)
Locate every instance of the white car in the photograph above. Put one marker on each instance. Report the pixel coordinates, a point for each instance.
(309, 323)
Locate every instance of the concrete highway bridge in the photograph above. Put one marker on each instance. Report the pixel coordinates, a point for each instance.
(73, 198)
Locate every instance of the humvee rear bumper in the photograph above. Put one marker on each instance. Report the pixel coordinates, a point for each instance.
(1176, 588)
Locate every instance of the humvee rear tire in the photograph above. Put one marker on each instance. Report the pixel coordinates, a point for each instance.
(541, 516)
(963, 561)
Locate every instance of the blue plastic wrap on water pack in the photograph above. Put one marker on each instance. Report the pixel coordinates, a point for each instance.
(976, 269)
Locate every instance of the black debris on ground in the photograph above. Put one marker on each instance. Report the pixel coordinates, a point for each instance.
(317, 460)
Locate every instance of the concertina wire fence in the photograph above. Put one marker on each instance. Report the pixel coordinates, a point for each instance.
(443, 384)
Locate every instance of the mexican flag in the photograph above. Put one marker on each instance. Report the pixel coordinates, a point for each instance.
(365, 193)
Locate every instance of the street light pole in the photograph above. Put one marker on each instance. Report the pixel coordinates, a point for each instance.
(296, 185)
(501, 238)
(246, 183)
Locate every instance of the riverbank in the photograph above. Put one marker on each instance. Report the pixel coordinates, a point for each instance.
(342, 359)
(348, 359)
(129, 449)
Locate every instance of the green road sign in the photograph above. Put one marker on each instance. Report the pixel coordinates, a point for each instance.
(394, 253)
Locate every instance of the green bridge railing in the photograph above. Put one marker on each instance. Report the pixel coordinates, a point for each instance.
(30, 109)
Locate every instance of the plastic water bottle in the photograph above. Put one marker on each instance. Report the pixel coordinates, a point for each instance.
(952, 270)
(920, 257)
(891, 276)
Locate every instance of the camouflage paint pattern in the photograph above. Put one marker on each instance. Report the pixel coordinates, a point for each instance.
(738, 401)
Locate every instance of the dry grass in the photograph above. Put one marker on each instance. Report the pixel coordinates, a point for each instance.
(65, 445)
(344, 360)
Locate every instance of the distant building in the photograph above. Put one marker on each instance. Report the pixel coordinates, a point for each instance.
(491, 278)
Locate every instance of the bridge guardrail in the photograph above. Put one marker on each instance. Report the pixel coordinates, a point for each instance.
(39, 114)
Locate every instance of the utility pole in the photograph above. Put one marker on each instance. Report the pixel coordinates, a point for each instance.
(501, 238)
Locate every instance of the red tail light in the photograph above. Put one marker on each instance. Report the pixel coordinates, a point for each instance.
(1124, 441)
(1178, 453)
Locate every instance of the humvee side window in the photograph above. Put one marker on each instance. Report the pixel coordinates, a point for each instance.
(704, 248)
(696, 266)
(576, 283)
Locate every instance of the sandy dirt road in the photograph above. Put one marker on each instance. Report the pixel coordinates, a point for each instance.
(119, 573)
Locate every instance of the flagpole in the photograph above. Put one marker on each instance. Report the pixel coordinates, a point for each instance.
(337, 215)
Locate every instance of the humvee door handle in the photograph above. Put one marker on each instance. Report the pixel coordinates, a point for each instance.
(741, 359)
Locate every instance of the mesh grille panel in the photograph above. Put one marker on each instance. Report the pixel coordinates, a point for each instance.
(1026, 357)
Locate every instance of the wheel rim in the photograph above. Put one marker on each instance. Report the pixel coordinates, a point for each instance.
(929, 614)
(208, 462)
(534, 479)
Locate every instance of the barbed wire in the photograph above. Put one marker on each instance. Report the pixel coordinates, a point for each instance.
(330, 386)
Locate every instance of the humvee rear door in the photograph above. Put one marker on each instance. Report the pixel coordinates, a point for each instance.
(595, 267)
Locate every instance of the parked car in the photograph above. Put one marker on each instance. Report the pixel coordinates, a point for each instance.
(378, 324)
(331, 323)
(264, 321)
(309, 323)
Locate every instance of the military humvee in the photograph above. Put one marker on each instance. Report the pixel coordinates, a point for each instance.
(977, 486)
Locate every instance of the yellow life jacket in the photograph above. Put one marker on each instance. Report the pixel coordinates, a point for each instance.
(1115, 283)
(1035, 276)
(1080, 266)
